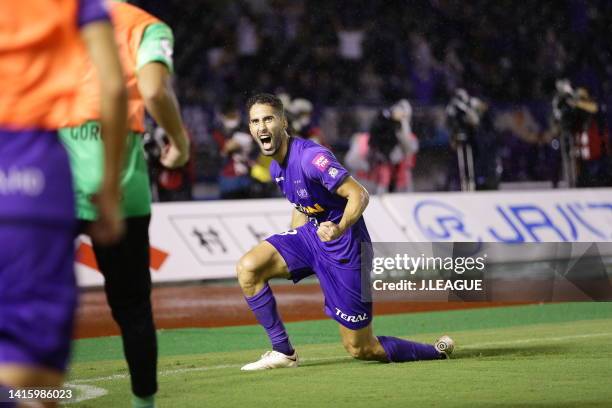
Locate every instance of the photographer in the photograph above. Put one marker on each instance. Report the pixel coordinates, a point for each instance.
(474, 142)
(583, 140)
(382, 159)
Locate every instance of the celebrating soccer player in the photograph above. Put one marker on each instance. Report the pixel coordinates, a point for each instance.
(145, 46)
(328, 231)
(41, 44)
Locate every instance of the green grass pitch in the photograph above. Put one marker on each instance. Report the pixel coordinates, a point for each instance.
(557, 355)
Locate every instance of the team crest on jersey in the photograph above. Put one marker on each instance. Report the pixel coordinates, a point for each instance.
(321, 162)
(333, 172)
(302, 193)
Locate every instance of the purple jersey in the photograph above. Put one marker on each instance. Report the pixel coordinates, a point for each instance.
(91, 11)
(308, 178)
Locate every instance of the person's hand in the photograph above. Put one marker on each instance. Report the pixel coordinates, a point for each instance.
(109, 226)
(328, 231)
(175, 154)
(402, 110)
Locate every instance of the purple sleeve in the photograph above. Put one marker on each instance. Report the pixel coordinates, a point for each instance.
(274, 172)
(90, 11)
(321, 165)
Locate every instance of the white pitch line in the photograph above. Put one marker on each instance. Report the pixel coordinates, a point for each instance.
(164, 373)
(86, 392)
(535, 340)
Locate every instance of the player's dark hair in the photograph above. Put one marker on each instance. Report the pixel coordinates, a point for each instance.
(266, 99)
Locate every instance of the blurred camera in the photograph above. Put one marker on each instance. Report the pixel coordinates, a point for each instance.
(572, 108)
(154, 143)
(463, 113)
(383, 134)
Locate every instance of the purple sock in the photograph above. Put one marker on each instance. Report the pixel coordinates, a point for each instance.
(399, 350)
(263, 305)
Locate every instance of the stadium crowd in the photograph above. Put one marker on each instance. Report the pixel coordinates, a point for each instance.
(345, 53)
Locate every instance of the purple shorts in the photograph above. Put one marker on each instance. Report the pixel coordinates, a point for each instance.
(341, 284)
(38, 292)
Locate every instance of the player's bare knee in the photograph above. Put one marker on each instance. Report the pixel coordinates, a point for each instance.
(247, 271)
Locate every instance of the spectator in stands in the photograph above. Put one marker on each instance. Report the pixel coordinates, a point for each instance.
(236, 146)
(424, 54)
(313, 40)
(300, 112)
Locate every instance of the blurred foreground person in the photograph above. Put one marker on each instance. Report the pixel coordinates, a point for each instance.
(43, 46)
(145, 47)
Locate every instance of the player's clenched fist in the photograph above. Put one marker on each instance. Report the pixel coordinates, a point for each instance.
(328, 231)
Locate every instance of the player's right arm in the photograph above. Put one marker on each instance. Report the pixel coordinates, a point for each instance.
(298, 219)
(100, 42)
(161, 103)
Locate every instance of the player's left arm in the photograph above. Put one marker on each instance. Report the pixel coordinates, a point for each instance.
(357, 200)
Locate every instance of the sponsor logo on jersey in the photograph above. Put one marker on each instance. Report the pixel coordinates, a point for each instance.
(321, 162)
(302, 193)
(90, 131)
(278, 179)
(308, 210)
(28, 181)
(166, 49)
(333, 172)
(351, 318)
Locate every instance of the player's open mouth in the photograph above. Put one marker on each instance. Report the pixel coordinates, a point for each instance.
(266, 141)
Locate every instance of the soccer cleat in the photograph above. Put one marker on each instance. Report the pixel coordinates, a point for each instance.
(445, 346)
(273, 359)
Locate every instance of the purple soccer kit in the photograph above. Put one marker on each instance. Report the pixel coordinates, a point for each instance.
(37, 283)
(38, 293)
(309, 178)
